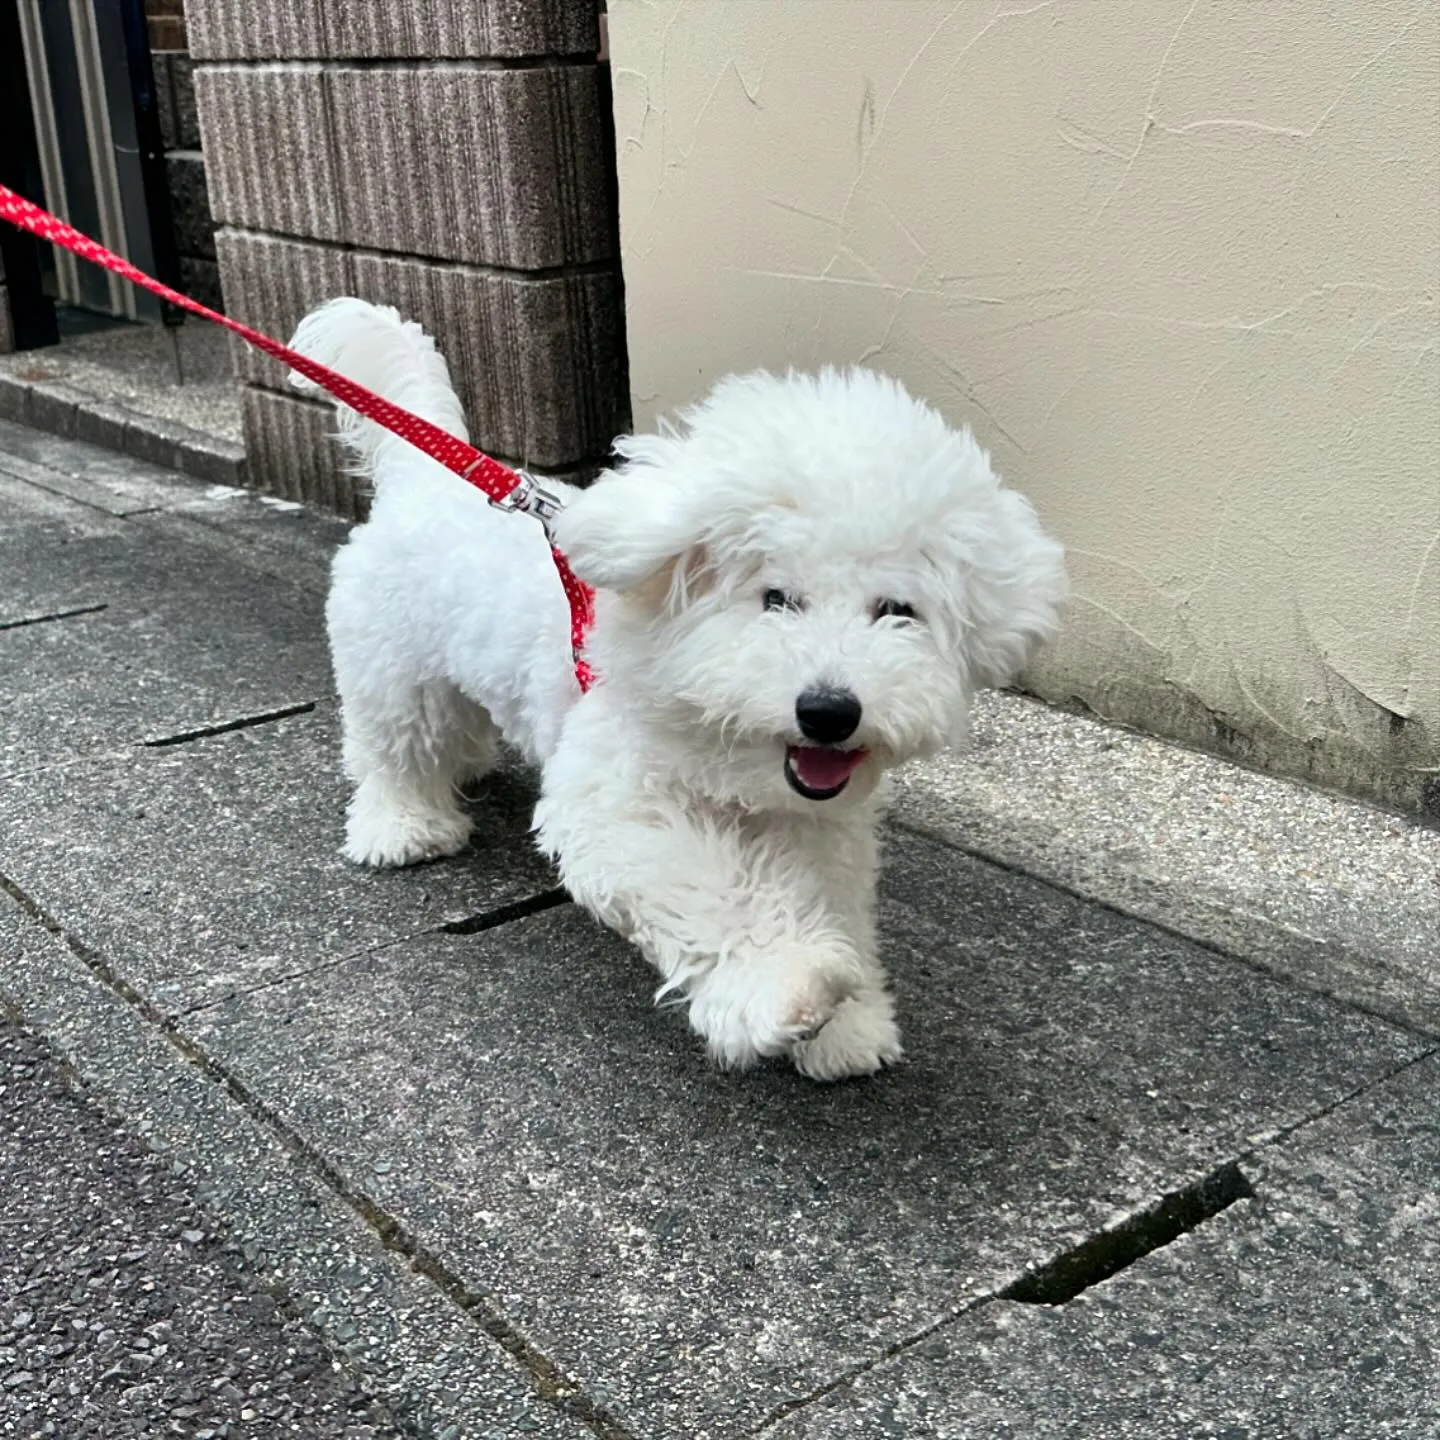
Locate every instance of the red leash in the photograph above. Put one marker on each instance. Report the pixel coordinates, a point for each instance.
(502, 486)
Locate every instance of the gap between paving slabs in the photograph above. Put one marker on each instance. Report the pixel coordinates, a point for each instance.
(53, 616)
(224, 727)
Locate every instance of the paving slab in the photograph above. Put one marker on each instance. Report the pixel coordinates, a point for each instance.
(188, 637)
(45, 508)
(440, 1370)
(1306, 1311)
(89, 474)
(47, 549)
(132, 369)
(278, 537)
(1341, 895)
(120, 1310)
(701, 1250)
(213, 866)
(74, 490)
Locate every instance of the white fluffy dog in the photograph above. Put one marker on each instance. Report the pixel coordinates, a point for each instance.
(799, 587)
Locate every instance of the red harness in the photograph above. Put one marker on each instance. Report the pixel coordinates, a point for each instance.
(502, 486)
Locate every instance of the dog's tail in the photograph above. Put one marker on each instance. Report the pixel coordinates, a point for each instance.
(373, 346)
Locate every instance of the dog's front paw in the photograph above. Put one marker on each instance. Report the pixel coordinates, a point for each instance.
(743, 1022)
(860, 1039)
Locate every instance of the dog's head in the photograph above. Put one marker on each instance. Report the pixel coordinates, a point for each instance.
(805, 582)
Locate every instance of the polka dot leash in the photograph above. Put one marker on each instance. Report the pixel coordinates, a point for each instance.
(504, 487)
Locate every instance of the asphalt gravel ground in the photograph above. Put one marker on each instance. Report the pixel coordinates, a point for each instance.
(120, 1315)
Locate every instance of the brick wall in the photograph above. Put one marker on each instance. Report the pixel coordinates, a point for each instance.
(184, 159)
(7, 328)
(449, 157)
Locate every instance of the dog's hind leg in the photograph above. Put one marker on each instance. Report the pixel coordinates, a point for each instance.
(479, 748)
(407, 753)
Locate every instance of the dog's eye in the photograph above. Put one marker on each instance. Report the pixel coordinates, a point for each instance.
(782, 600)
(895, 610)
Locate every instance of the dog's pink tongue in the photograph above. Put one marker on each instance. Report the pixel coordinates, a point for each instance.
(822, 769)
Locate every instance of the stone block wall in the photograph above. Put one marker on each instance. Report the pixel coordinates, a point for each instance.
(184, 157)
(7, 327)
(450, 157)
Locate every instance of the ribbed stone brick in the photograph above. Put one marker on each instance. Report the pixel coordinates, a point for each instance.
(268, 149)
(367, 29)
(462, 28)
(538, 362)
(257, 29)
(496, 167)
(290, 452)
(474, 196)
(270, 283)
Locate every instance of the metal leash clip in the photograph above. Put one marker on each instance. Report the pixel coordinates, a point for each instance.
(529, 497)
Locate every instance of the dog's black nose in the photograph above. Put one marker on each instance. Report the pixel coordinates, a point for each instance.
(827, 716)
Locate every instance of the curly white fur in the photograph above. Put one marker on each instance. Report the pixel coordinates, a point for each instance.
(768, 550)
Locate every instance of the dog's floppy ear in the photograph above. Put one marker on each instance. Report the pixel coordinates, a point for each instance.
(1012, 584)
(631, 523)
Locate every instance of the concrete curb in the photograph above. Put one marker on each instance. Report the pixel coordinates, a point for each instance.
(59, 409)
(1334, 894)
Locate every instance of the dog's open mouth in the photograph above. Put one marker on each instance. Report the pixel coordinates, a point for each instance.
(819, 773)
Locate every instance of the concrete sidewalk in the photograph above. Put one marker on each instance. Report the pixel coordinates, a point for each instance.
(438, 1108)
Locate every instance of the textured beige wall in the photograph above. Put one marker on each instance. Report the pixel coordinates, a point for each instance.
(1177, 263)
